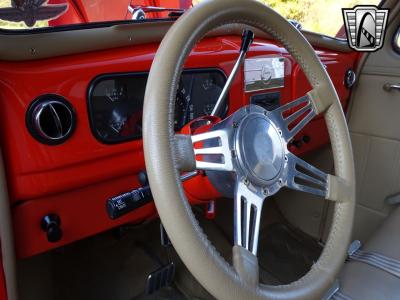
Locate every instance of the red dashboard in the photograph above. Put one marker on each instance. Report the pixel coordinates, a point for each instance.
(74, 179)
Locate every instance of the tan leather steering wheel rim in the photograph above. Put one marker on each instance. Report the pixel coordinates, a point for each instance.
(202, 259)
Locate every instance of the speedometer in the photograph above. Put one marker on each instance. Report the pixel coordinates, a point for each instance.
(183, 106)
(197, 95)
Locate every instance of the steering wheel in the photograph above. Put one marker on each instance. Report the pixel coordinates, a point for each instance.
(250, 147)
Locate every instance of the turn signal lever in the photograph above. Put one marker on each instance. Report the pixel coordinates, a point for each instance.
(247, 40)
(120, 205)
(125, 203)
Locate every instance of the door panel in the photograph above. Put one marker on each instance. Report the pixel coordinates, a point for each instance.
(375, 131)
(375, 111)
(377, 161)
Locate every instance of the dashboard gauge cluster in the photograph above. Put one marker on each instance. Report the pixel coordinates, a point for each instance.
(115, 102)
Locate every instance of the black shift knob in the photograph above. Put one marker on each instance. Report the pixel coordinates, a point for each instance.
(247, 40)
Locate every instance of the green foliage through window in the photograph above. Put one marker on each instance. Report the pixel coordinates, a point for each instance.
(322, 16)
(292, 9)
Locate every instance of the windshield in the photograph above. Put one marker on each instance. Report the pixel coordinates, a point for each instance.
(25, 14)
(321, 16)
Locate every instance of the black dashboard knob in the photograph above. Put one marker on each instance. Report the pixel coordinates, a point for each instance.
(306, 139)
(296, 143)
(143, 179)
(51, 224)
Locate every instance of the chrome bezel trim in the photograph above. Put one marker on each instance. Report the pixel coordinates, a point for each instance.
(260, 83)
(35, 111)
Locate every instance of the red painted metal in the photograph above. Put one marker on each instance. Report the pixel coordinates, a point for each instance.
(73, 15)
(82, 212)
(76, 178)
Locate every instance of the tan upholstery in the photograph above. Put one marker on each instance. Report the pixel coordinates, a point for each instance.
(361, 281)
(373, 123)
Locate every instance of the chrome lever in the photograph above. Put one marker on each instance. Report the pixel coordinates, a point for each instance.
(189, 175)
(247, 40)
(388, 87)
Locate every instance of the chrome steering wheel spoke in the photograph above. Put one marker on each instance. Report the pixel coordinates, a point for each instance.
(304, 177)
(247, 215)
(294, 116)
(212, 151)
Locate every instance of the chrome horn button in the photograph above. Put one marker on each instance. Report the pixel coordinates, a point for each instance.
(260, 149)
(252, 141)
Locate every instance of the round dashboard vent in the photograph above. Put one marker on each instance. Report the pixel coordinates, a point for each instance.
(51, 119)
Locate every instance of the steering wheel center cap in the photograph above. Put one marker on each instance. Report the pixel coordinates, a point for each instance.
(260, 149)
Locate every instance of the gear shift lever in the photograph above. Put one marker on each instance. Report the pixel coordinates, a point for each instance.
(247, 40)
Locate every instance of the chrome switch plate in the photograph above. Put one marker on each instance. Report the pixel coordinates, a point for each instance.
(264, 73)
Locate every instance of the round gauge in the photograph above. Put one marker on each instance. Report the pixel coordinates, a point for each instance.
(206, 92)
(183, 107)
(115, 93)
(117, 121)
(208, 108)
(180, 107)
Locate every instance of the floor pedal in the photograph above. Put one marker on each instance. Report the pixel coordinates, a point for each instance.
(160, 278)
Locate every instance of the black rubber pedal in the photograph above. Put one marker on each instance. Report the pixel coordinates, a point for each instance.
(160, 278)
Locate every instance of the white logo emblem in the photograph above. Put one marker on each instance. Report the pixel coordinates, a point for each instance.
(365, 27)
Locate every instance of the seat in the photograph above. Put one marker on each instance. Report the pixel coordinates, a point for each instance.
(361, 281)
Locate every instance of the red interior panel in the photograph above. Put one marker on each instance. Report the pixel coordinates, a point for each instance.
(3, 288)
(75, 179)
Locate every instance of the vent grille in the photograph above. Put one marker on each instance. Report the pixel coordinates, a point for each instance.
(51, 119)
